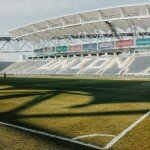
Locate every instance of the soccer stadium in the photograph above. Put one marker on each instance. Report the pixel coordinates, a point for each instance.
(83, 82)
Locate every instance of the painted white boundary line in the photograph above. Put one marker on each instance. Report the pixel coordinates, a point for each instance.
(123, 133)
(51, 135)
(109, 145)
(93, 135)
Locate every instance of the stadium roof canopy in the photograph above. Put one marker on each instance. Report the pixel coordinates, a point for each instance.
(123, 20)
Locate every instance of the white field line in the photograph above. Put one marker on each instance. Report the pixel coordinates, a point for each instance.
(93, 135)
(109, 145)
(51, 135)
(123, 133)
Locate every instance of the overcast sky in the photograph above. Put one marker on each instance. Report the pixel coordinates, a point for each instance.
(15, 13)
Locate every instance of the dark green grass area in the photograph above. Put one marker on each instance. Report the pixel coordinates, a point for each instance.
(70, 107)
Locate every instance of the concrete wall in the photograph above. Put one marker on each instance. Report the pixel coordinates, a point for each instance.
(14, 56)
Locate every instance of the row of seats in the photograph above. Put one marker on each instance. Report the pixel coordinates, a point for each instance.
(87, 66)
(140, 64)
(24, 67)
(4, 65)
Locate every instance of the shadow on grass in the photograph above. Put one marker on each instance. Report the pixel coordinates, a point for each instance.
(20, 95)
(102, 93)
(33, 102)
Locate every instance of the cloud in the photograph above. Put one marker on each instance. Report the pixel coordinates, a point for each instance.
(15, 13)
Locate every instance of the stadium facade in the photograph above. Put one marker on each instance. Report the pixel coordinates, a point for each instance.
(109, 41)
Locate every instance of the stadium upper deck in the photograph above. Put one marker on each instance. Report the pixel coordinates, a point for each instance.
(107, 28)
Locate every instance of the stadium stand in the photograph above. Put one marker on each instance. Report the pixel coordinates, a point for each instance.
(98, 63)
(89, 71)
(139, 65)
(114, 41)
(81, 66)
(24, 67)
(74, 69)
(113, 70)
(4, 65)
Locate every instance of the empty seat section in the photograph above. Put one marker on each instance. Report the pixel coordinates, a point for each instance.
(14, 68)
(4, 65)
(99, 63)
(122, 59)
(112, 70)
(87, 63)
(69, 71)
(89, 71)
(72, 70)
(57, 67)
(25, 67)
(52, 72)
(139, 64)
(38, 72)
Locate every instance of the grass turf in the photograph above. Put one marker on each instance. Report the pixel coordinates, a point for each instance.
(72, 107)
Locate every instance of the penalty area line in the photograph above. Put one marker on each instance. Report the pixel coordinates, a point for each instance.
(123, 133)
(93, 135)
(51, 135)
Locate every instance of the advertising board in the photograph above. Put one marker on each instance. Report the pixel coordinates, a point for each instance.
(124, 43)
(75, 48)
(90, 47)
(106, 45)
(48, 50)
(143, 42)
(61, 49)
(38, 51)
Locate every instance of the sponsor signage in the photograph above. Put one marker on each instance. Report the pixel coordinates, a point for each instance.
(75, 48)
(143, 42)
(48, 50)
(38, 51)
(106, 45)
(90, 47)
(61, 49)
(124, 43)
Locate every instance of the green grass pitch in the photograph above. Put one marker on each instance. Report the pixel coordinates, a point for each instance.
(70, 108)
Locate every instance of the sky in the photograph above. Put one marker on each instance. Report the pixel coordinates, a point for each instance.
(16, 13)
